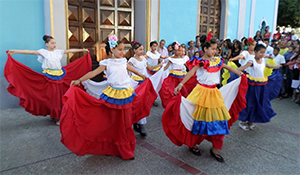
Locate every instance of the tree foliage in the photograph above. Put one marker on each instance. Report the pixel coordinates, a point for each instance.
(289, 13)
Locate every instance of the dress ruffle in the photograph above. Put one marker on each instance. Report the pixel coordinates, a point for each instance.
(55, 74)
(268, 71)
(38, 94)
(138, 79)
(90, 126)
(208, 65)
(178, 74)
(226, 75)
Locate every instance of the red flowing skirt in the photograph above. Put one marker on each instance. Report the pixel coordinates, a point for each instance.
(170, 83)
(38, 94)
(92, 126)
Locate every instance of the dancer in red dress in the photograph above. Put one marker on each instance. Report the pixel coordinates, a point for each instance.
(104, 126)
(41, 94)
(206, 113)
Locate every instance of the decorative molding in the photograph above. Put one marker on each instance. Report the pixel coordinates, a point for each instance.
(148, 24)
(198, 17)
(252, 14)
(241, 21)
(224, 19)
(275, 15)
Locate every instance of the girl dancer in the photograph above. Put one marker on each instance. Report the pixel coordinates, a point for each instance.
(40, 94)
(153, 57)
(259, 109)
(177, 70)
(104, 126)
(243, 58)
(203, 114)
(139, 63)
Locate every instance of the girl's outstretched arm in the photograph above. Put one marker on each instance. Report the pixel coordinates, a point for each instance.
(131, 69)
(245, 67)
(75, 50)
(236, 58)
(236, 71)
(89, 75)
(167, 66)
(186, 78)
(29, 52)
(272, 66)
(154, 67)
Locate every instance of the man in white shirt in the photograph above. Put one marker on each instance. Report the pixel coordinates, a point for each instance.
(279, 59)
(269, 49)
(293, 35)
(162, 49)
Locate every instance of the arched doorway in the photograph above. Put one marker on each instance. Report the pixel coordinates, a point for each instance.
(210, 11)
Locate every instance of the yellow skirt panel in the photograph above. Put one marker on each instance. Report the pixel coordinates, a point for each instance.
(118, 93)
(206, 97)
(211, 114)
(268, 71)
(137, 78)
(54, 72)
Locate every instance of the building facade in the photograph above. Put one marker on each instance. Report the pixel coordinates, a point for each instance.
(87, 23)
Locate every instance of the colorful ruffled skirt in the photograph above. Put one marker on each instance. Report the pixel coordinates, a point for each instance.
(259, 109)
(104, 126)
(41, 94)
(203, 114)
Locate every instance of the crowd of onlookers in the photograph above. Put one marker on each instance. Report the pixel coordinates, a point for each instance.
(283, 47)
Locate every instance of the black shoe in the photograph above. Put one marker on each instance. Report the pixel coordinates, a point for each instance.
(218, 157)
(195, 151)
(136, 127)
(155, 104)
(142, 131)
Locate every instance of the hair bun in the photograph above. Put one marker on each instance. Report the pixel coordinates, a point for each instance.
(202, 38)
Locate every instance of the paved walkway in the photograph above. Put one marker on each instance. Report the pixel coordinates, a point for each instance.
(31, 145)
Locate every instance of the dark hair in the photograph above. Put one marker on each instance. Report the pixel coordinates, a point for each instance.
(293, 47)
(197, 52)
(197, 37)
(239, 45)
(47, 38)
(229, 44)
(173, 46)
(277, 48)
(153, 42)
(162, 40)
(243, 38)
(107, 47)
(267, 39)
(206, 44)
(277, 28)
(258, 47)
(135, 45)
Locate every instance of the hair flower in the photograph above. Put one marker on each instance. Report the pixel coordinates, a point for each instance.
(250, 41)
(209, 36)
(176, 46)
(113, 41)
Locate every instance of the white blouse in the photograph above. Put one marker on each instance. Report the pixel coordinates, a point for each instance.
(208, 78)
(116, 72)
(153, 58)
(246, 59)
(178, 63)
(50, 59)
(140, 66)
(257, 70)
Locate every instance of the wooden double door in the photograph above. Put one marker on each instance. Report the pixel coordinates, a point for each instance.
(210, 11)
(90, 22)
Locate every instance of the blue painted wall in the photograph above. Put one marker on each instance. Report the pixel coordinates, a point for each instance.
(247, 18)
(178, 20)
(233, 19)
(264, 9)
(22, 27)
